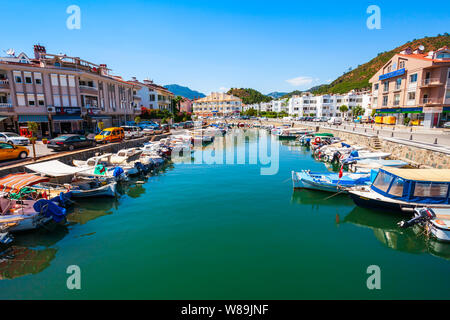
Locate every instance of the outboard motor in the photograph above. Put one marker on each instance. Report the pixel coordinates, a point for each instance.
(424, 215)
(119, 174)
(49, 209)
(140, 167)
(336, 157)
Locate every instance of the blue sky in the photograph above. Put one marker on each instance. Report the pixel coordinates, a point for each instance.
(214, 45)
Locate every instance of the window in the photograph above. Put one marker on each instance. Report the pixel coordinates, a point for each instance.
(375, 101)
(65, 101)
(444, 55)
(413, 78)
(73, 101)
(63, 80)
(38, 78)
(54, 78)
(434, 190)
(21, 99)
(411, 96)
(401, 64)
(386, 86)
(447, 94)
(385, 101)
(375, 86)
(383, 181)
(31, 100)
(71, 81)
(398, 83)
(396, 100)
(41, 100)
(57, 100)
(28, 79)
(17, 76)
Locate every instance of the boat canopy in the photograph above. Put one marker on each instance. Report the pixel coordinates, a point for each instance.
(15, 182)
(54, 168)
(428, 186)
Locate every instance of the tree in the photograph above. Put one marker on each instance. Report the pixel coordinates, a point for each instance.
(343, 108)
(176, 104)
(33, 127)
(137, 120)
(358, 111)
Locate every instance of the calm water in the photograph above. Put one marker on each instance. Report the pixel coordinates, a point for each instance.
(198, 231)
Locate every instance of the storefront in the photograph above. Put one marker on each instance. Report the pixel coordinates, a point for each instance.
(415, 115)
(67, 124)
(41, 120)
(92, 123)
(7, 124)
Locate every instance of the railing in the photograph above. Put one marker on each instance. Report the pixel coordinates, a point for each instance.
(6, 105)
(429, 101)
(4, 83)
(431, 82)
(82, 87)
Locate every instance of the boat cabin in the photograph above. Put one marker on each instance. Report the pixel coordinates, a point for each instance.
(428, 186)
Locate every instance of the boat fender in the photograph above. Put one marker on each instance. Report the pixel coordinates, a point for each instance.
(317, 140)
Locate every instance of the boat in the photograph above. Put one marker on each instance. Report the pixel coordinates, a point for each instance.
(328, 181)
(365, 165)
(66, 178)
(25, 215)
(101, 166)
(435, 222)
(356, 155)
(399, 189)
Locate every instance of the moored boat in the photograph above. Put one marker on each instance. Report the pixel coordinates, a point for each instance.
(405, 189)
(328, 181)
(435, 222)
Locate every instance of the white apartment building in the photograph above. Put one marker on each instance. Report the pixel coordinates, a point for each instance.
(280, 105)
(327, 105)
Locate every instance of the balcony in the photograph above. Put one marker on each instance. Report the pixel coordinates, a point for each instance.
(4, 84)
(431, 82)
(135, 97)
(430, 101)
(88, 90)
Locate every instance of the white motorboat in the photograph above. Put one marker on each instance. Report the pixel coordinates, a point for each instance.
(435, 222)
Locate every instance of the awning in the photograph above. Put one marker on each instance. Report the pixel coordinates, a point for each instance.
(3, 118)
(99, 117)
(54, 168)
(68, 117)
(15, 182)
(400, 110)
(32, 118)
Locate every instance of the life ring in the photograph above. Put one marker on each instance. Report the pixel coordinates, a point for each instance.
(317, 140)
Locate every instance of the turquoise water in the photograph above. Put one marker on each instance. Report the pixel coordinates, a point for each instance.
(211, 231)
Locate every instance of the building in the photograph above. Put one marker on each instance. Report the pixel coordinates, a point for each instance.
(280, 105)
(153, 96)
(416, 85)
(327, 105)
(217, 103)
(186, 105)
(62, 94)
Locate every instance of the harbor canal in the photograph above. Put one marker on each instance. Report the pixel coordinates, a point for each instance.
(226, 231)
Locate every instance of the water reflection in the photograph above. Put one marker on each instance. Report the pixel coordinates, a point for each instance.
(386, 231)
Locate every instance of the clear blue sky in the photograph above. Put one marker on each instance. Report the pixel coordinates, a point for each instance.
(209, 45)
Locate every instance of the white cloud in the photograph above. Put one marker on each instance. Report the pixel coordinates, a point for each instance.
(300, 81)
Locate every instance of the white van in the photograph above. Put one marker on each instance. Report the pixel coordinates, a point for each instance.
(335, 121)
(132, 132)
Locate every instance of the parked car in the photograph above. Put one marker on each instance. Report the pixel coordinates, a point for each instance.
(165, 128)
(70, 142)
(446, 125)
(335, 121)
(132, 132)
(148, 131)
(158, 130)
(9, 151)
(14, 138)
(108, 135)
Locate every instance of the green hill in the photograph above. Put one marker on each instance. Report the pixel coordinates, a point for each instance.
(249, 96)
(184, 91)
(359, 77)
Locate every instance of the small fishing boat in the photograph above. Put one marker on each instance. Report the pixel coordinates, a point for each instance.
(25, 215)
(399, 189)
(80, 187)
(435, 222)
(363, 155)
(328, 181)
(366, 165)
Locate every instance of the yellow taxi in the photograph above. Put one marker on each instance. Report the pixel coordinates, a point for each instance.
(108, 135)
(10, 151)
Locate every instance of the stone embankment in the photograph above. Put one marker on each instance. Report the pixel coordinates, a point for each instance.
(418, 154)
